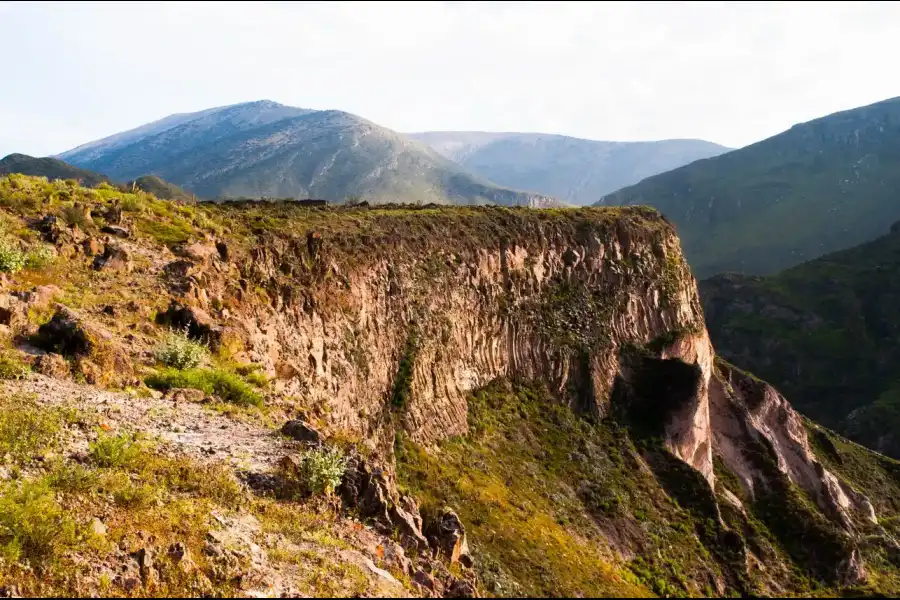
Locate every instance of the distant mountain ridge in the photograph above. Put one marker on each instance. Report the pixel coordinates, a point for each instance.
(820, 186)
(265, 149)
(51, 168)
(827, 332)
(575, 170)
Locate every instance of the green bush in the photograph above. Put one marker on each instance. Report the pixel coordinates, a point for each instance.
(227, 386)
(12, 259)
(320, 470)
(40, 257)
(33, 525)
(121, 450)
(27, 428)
(11, 366)
(179, 351)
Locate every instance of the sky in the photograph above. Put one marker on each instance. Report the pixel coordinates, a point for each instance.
(728, 72)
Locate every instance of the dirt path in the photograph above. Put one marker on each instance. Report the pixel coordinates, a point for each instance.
(190, 427)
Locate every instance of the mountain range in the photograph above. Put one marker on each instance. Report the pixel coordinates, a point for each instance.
(820, 186)
(575, 170)
(266, 149)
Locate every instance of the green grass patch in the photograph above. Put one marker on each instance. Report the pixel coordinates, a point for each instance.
(229, 387)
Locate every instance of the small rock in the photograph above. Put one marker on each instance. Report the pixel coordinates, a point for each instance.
(116, 230)
(92, 246)
(186, 395)
(301, 432)
(426, 581)
(156, 394)
(114, 258)
(98, 527)
(460, 588)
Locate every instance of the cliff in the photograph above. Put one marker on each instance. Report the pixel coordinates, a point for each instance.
(503, 361)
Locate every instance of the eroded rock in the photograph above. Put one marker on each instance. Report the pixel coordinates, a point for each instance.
(448, 537)
(300, 431)
(114, 258)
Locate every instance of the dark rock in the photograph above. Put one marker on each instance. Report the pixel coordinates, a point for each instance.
(426, 581)
(110, 310)
(64, 334)
(113, 258)
(199, 325)
(369, 489)
(113, 214)
(300, 431)
(116, 230)
(179, 268)
(222, 248)
(449, 537)
(461, 588)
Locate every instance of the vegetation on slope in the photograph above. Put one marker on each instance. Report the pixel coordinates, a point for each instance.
(826, 333)
(160, 188)
(51, 168)
(821, 186)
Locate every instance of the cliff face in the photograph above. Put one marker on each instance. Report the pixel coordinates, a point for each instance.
(623, 438)
(553, 301)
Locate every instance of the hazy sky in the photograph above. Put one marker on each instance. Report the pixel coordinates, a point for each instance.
(732, 73)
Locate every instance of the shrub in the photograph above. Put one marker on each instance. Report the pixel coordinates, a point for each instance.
(227, 386)
(33, 525)
(115, 450)
(40, 257)
(76, 215)
(179, 351)
(26, 428)
(319, 471)
(11, 366)
(12, 259)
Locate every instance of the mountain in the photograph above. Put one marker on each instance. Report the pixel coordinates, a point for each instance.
(818, 187)
(51, 168)
(160, 188)
(575, 170)
(826, 332)
(262, 399)
(264, 149)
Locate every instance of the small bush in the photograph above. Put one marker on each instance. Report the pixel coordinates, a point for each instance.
(33, 525)
(76, 215)
(227, 386)
(319, 471)
(12, 259)
(26, 428)
(40, 257)
(11, 366)
(179, 351)
(115, 450)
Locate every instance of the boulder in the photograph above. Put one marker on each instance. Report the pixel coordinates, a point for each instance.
(199, 325)
(92, 246)
(114, 258)
(65, 334)
(200, 252)
(52, 365)
(300, 431)
(368, 488)
(448, 537)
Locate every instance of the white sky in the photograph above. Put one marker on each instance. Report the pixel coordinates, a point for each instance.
(732, 73)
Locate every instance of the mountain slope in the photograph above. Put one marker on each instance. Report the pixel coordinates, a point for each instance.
(268, 150)
(575, 170)
(821, 186)
(827, 332)
(159, 188)
(51, 168)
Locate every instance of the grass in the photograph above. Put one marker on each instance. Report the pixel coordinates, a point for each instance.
(28, 429)
(229, 387)
(34, 527)
(11, 365)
